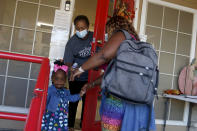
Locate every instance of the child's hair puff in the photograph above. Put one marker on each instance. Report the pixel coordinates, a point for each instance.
(59, 63)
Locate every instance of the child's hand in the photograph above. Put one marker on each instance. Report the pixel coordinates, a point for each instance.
(86, 86)
(83, 91)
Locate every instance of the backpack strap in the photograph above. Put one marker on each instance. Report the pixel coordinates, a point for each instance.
(108, 69)
(157, 82)
(128, 35)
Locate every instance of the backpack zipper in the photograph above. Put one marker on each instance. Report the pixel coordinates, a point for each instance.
(144, 67)
(139, 73)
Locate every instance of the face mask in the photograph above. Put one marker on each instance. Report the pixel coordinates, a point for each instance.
(81, 34)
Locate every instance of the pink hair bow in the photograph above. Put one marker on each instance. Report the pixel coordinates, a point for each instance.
(63, 67)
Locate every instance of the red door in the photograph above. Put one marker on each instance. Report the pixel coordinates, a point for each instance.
(89, 122)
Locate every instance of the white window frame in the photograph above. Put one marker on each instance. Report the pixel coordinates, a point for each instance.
(192, 50)
(13, 109)
(136, 7)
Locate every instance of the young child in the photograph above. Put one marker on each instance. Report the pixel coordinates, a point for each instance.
(55, 117)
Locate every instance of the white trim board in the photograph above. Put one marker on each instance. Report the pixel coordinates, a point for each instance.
(194, 35)
(174, 123)
(12, 109)
(143, 17)
(171, 122)
(137, 5)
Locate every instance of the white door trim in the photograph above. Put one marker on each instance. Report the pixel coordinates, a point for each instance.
(12, 109)
(136, 8)
(194, 34)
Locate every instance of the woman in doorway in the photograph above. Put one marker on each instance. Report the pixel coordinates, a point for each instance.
(77, 51)
(116, 114)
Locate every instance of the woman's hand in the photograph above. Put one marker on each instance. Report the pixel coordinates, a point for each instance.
(75, 73)
(71, 70)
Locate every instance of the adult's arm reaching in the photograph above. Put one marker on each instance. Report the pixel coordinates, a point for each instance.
(94, 83)
(104, 55)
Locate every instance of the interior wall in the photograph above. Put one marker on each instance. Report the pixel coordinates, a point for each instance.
(88, 8)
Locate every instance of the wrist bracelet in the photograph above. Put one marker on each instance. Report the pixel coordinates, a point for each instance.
(80, 69)
(93, 84)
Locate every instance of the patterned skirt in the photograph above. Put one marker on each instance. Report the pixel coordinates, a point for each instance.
(58, 120)
(112, 112)
(117, 115)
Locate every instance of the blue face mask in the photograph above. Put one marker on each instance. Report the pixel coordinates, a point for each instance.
(82, 34)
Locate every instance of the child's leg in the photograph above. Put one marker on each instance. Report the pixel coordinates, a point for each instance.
(72, 113)
(75, 88)
(83, 104)
(72, 105)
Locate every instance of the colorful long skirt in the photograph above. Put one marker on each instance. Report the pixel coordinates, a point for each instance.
(112, 112)
(118, 115)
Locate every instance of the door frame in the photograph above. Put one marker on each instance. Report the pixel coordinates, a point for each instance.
(137, 8)
(192, 50)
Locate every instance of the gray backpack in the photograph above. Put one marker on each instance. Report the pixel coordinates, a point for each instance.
(133, 74)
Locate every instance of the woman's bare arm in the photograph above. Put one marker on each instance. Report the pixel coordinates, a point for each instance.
(92, 84)
(106, 54)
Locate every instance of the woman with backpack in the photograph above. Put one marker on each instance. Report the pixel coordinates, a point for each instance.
(117, 114)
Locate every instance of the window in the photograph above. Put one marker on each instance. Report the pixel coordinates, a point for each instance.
(170, 29)
(25, 27)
